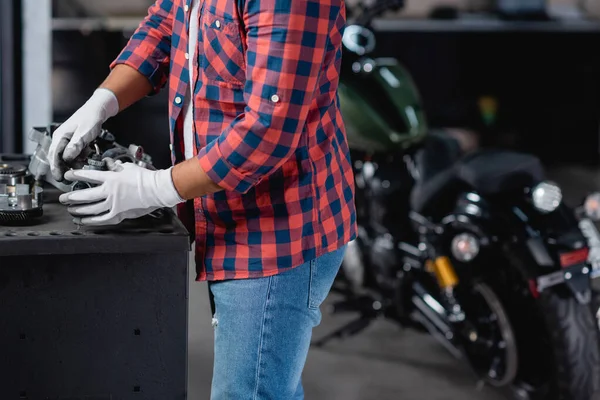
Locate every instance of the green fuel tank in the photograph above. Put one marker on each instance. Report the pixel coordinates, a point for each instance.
(379, 100)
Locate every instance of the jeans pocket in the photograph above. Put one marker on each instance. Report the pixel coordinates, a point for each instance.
(323, 271)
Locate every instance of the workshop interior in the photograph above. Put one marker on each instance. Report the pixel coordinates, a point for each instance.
(474, 130)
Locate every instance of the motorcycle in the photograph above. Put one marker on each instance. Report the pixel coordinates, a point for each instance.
(477, 249)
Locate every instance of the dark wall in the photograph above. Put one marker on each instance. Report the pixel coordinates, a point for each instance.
(548, 86)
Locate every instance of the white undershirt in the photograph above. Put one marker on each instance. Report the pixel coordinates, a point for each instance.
(188, 112)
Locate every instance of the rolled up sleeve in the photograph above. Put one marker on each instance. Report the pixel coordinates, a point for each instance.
(286, 44)
(149, 48)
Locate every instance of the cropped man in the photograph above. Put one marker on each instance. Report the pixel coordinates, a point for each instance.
(259, 149)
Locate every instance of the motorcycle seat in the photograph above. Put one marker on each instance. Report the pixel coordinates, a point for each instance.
(488, 172)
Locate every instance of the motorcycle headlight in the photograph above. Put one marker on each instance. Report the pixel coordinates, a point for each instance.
(591, 206)
(546, 197)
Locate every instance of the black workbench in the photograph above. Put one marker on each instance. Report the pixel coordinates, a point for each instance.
(93, 313)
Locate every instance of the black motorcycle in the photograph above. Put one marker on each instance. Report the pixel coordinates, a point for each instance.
(477, 249)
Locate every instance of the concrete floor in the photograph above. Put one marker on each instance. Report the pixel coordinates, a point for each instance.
(382, 363)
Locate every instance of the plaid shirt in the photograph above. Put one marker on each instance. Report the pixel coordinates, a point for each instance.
(267, 127)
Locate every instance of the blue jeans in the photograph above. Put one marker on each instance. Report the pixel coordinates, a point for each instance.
(263, 330)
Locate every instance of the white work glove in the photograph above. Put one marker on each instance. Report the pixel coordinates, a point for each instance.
(81, 129)
(126, 191)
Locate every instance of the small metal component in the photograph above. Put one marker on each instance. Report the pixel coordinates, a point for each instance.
(568, 276)
(20, 198)
(96, 162)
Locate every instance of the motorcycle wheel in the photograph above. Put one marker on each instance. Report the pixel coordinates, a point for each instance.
(491, 345)
(574, 337)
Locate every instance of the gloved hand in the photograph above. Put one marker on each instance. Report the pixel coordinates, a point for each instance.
(125, 191)
(81, 129)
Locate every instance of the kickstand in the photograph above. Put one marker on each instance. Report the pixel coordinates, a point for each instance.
(350, 329)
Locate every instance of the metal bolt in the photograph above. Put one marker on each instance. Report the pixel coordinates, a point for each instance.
(568, 276)
(449, 335)
(376, 305)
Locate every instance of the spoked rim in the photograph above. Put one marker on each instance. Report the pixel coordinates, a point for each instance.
(491, 346)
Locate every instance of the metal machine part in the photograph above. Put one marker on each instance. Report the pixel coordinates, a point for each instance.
(91, 158)
(20, 197)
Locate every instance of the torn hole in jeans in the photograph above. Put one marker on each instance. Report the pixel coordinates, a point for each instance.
(215, 322)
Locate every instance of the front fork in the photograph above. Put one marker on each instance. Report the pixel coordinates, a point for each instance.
(439, 264)
(447, 279)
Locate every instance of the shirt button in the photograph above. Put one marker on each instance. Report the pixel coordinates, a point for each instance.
(186, 8)
(177, 100)
(275, 98)
(187, 56)
(218, 24)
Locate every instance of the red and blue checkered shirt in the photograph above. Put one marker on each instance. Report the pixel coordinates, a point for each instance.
(267, 127)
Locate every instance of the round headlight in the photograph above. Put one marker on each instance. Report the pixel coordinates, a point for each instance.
(592, 206)
(546, 197)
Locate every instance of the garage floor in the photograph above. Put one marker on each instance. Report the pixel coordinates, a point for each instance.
(382, 363)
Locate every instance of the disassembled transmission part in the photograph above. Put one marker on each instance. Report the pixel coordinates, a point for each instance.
(92, 157)
(21, 199)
